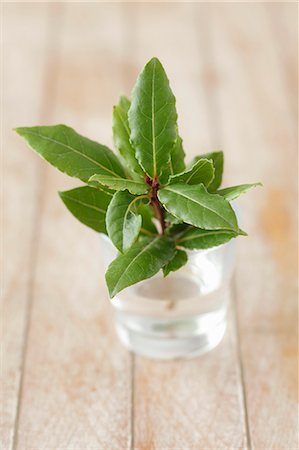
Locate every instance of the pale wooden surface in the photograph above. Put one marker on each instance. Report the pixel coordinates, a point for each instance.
(67, 384)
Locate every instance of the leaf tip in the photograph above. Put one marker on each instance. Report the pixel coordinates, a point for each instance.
(111, 289)
(154, 59)
(19, 130)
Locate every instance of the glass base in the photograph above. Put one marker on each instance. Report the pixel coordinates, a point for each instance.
(170, 339)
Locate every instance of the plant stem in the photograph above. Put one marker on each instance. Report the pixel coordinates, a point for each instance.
(154, 201)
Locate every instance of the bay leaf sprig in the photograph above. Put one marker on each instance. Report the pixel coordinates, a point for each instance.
(153, 207)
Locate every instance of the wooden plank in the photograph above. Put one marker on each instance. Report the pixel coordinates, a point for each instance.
(284, 27)
(183, 67)
(192, 403)
(77, 382)
(189, 404)
(23, 78)
(259, 136)
(77, 394)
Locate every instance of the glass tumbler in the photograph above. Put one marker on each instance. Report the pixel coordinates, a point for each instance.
(182, 315)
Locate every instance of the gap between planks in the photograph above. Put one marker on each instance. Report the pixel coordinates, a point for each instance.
(154, 439)
(243, 394)
(213, 110)
(55, 16)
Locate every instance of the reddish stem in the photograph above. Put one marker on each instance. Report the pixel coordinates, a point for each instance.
(154, 201)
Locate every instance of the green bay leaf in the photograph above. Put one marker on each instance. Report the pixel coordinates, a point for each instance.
(122, 223)
(152, 119)
(144, 259)
(177, 157)
(218, 161)
(202, 171)
(179, 260)
(233, 192)
(195, 206)
(196, 239)
(120, 184)
(121, 135)
(88, 205)
(72, 153)
(176, 163)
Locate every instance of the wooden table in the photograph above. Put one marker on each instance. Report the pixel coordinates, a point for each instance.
(67, 382)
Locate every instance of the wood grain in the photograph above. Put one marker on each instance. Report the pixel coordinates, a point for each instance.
(176, 405)
(259, 132)
(77, 375)
(22, 103)
(67, 383)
